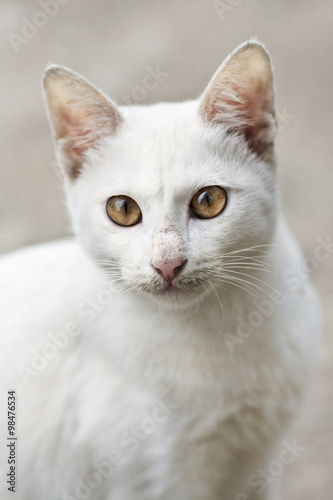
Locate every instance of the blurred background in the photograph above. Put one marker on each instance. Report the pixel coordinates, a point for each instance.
(115, 44)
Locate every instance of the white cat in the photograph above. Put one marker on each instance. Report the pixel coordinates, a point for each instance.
(168, 363)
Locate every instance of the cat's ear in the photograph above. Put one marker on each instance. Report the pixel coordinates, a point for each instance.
(80, 115)
(241, 96)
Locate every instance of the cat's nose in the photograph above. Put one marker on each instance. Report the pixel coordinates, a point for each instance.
(169, 270)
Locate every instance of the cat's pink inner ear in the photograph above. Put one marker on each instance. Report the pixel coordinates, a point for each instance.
(74, 127)
(241, 96)
(80, 115)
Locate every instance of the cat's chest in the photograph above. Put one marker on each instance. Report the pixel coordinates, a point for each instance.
(183, 355)
(143, 341)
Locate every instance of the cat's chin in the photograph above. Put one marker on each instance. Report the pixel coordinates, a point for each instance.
(177, 297)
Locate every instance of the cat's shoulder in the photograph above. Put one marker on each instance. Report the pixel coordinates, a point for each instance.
(42, 251)
(50, 258)
(45, 273)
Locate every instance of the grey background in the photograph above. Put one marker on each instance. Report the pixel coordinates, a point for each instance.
(112, 43)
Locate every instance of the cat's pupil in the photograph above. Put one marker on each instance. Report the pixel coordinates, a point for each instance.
(125, 207)
(204, 197)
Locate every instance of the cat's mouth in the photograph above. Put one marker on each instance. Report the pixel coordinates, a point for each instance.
(172, 289)
(181, 292)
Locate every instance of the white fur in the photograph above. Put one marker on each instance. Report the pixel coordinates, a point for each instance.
(226, 404)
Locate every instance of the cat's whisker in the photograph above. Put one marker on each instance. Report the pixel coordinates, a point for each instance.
(212, 275)
(108, 261)
(249, 260)
(233, 265)
(238, 285)
(125, 289)
(245, 257)
(104, 265)
(233, 283)
(252, 277)
(241, 259)
(254, 247)
(242, 284)
(217, 296)
(114, 279)
(250, 284)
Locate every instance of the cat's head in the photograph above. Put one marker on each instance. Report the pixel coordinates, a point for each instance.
(165, 196)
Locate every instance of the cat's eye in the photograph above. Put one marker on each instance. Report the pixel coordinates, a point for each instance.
(209, 202)
(123, 210)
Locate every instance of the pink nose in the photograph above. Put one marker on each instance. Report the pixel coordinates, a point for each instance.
(169, 270)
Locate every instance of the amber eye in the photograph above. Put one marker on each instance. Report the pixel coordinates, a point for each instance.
(209, 202)
(123, 210)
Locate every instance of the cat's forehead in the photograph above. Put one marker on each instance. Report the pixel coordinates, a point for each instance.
(167, 115)
(166, 148)
(168, 131)
(160, 134)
